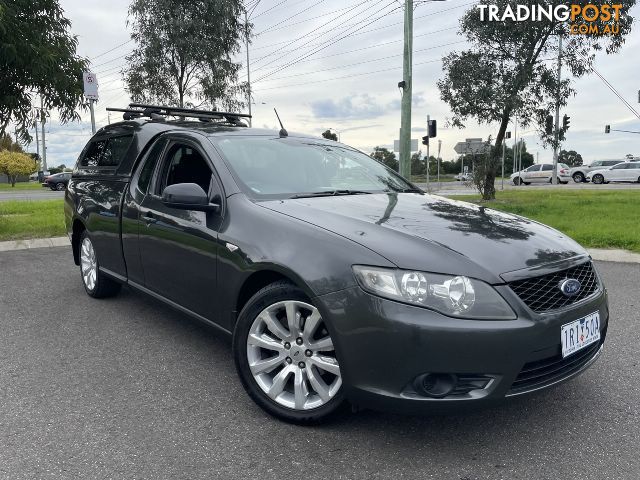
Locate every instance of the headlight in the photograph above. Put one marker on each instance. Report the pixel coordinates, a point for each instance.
(456, 296)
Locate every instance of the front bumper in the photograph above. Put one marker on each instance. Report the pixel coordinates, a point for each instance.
(383, 346)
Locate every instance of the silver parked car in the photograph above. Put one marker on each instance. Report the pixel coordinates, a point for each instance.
(579, 174)
(540, 173)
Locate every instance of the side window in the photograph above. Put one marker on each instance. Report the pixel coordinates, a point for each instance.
(596, 164)
(622, 166)
(149, 165)
(184, 164)
(610, 163)
(106, 152)
(94, 153)
(547, 167)
(635, 166)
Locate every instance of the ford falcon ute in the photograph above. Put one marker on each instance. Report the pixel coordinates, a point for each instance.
(337, 280)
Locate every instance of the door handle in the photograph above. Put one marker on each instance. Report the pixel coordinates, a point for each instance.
(148, 218)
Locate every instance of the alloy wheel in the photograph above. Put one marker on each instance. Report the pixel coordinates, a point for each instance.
(60, 187)
(578, 177)
(88, 264)
(599, 179)
(291, 356)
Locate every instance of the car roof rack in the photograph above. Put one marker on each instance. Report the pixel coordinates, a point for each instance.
(159, 112)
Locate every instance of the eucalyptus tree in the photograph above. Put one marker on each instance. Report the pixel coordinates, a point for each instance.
(184, 52)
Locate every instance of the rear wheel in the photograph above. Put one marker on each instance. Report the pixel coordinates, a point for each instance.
(285, 356)
(578, 177)
(599, 179)
(96, 284)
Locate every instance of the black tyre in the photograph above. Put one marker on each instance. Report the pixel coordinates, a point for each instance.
(578, 177)
(517, 181)
(598, 179)
(60, 186)
(285, 357)
(96, 283)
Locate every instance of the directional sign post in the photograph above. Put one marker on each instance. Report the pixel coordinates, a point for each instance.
(471, 146)
(91, 92)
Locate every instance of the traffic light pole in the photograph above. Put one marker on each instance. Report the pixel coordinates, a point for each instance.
(428, 143)
(557, 129)
(405, 119)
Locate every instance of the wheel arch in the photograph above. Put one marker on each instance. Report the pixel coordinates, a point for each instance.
(262, 277)
(77, 228)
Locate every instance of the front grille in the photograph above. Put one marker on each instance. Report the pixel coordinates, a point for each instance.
(545, 372)
(542, 294)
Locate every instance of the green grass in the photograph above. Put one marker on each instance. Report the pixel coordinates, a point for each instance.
(31, 219)
(6, 187)
(596, 219)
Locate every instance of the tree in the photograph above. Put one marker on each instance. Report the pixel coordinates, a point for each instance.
(329, 135)
(15, 164)
(7, 143)
(506, 72)
(184, 53)
(571, 158)
(38, 55)
(386, 157)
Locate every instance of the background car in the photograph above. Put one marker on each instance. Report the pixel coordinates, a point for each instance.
(579, 174)
(540, 173)
(57, 181)
(622, 172)
(464, 177)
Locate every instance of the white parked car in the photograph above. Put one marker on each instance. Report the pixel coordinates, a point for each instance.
(579, 174)
(623, 172)
(464, 177)
(540, 173)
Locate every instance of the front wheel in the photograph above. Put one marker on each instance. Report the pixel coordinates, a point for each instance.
(60, 186)
(517, 181)
(96, 284)
(285, 357)
(578, 177)
(599, 179)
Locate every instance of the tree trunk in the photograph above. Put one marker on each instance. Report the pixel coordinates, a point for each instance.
(13, 179)
(489, 190)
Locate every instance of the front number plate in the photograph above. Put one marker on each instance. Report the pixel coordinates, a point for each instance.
(580, 333)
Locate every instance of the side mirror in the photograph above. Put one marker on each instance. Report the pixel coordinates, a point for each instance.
(188, 196)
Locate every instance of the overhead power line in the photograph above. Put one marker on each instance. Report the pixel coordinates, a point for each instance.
(112, 49)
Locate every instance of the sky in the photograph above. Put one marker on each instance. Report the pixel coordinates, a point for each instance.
(350, 85)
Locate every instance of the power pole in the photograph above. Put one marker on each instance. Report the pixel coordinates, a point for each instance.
(405, 115)
(504, 148)
(43, 120)
(37, 139)
(93, 116)
(438, 160)
(557, 129)
(246, 42)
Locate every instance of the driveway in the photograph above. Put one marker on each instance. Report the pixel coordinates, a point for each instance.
(128, 388)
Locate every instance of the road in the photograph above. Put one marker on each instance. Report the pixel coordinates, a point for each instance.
(457, 188)
(44, 194)
(126, 388)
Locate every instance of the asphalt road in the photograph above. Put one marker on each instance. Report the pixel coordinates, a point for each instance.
(44, 194)
(126, 388)
(464, 188)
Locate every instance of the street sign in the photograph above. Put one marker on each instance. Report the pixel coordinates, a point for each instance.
(471, 146)
(414, 145)
(90, 85)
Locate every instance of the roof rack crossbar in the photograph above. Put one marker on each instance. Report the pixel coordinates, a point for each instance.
(190, 110)
(154, 112)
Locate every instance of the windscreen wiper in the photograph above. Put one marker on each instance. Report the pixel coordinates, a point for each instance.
(330, 193)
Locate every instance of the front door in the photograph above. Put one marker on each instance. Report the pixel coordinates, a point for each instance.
(619, 173)
(178, 248)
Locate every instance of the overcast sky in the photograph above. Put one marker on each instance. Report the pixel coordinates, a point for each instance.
(351, 86)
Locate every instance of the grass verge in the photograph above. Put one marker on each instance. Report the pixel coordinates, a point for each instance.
(6, 187)
(21, 219)
(596, 219)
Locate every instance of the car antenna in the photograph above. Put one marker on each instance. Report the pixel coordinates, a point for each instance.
(283, 132)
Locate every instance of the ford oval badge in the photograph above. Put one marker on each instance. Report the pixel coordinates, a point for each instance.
(570, 287)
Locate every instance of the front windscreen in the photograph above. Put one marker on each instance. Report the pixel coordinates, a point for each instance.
(269, 167)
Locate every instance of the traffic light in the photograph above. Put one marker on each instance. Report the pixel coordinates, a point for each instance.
(432, 127)
(607, 129)
(507, 135)
(425, 140)
(565, 122)
(548, 125)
